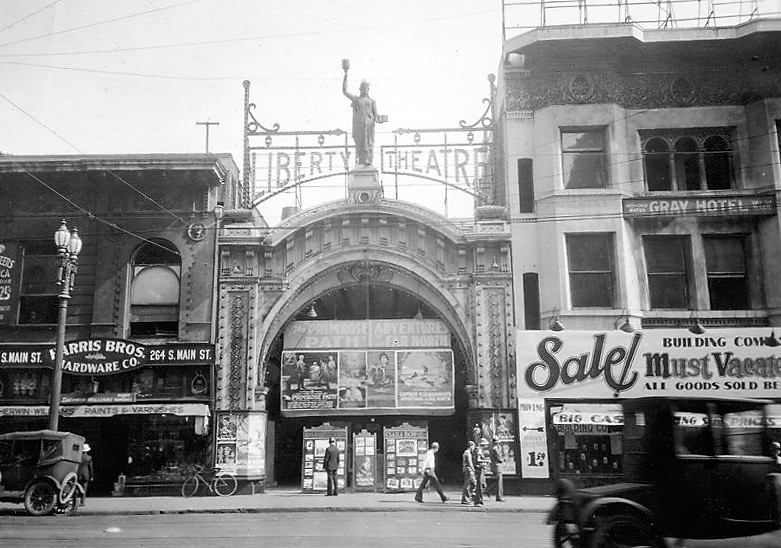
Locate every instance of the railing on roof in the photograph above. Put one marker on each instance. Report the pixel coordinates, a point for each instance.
(519, 16)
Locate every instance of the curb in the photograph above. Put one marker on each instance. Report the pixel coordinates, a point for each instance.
(321, 509)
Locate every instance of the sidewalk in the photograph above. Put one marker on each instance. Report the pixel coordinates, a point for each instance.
(288, 500)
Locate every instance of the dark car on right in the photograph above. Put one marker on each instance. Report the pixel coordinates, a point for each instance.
(693, 469)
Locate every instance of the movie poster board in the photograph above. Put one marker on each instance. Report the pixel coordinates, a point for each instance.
(367, 367)
(367, 382)
(313, 476)
(240, 444)
(405, 454)
(502, 424)
(365, 461)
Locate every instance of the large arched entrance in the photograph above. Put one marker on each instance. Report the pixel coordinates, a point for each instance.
(377, 290)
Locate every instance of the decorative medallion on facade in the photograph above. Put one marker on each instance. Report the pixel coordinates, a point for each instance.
(196, 231)
(682, 91)
(581, 89)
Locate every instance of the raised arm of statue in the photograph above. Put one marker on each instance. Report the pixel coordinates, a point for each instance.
(347, 94)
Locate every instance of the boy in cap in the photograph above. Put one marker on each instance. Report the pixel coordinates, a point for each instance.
(468, 468)
(480, 459)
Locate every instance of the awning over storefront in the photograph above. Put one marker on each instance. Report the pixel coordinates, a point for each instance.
(180, 409)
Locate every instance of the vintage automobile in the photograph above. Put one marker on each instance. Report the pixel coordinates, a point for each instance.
(39, 469)
(693, 469)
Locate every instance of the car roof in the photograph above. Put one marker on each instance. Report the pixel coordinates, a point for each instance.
(36, 435)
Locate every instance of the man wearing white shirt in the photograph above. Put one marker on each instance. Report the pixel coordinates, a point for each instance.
(430, 475)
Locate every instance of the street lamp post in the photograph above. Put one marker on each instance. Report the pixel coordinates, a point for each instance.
(68, 248)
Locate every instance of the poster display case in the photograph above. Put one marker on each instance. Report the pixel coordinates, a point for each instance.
(502, 424)
(313, 476)
(240, 443)
(365, 461)
(405, 453)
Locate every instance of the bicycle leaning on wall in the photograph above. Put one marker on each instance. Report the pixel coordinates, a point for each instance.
(219, 483)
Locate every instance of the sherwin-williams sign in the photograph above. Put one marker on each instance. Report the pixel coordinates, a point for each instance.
(9, 287)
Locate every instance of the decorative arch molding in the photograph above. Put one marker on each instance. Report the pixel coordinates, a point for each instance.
(351, 268)
(388, 208)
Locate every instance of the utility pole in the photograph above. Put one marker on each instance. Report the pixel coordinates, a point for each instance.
(207, 124)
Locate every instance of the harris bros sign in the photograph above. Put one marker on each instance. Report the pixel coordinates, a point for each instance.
(105, 356)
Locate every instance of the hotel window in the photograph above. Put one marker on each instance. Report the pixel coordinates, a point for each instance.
(591, 270)
(666, 259)
(584, 158)
(725, 262)
(154, 291)
(38, 302)
(688, 161)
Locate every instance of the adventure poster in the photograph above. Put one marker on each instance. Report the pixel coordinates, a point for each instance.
(425, 378)
(381, 382)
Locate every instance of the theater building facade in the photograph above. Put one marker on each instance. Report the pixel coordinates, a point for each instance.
(367, 318)
(138, 368)
(642, 171)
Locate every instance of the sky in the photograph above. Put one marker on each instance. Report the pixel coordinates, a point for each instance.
(134, 76)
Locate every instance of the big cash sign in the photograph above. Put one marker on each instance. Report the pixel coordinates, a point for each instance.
(606, 364)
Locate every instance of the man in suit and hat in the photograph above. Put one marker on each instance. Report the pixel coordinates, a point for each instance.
(331, 465)
(84, 475)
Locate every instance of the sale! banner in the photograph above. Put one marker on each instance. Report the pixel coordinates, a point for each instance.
(580, 366)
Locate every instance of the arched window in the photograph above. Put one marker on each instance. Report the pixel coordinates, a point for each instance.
(718, 163)
(657, 165)
(154, 290)
(688, 159)
(687, 164)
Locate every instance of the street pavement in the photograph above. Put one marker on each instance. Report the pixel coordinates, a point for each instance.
(291, 500)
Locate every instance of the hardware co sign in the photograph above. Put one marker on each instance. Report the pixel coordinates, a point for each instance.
(111, 356)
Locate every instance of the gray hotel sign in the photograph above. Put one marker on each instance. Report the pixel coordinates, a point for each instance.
(649, 206)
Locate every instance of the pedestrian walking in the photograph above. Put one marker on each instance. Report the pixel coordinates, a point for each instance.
(430, 475)
(480, 460)
(85, 473)
(468, 468)
(497, 483)
(331, 465)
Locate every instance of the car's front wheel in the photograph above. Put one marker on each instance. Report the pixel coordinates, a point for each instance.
(623, 531)
(40, 498)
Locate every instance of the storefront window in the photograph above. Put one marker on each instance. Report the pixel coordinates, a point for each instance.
(164, 448)
(588, 439)
(148, 383)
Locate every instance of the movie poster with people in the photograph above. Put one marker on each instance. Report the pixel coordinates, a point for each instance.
(381, 382)
(309, 380)
(353, 380)
(366, 367)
